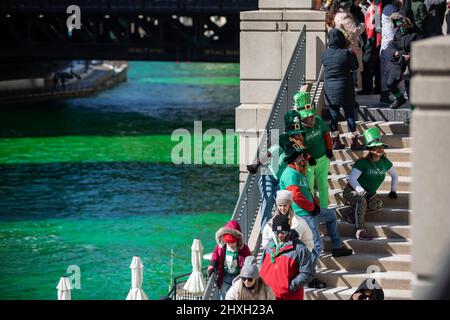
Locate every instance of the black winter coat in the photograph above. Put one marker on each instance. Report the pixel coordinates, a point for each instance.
(338, 64)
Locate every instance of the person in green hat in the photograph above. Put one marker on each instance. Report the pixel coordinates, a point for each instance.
(307, 207)
(317, 142)
(368, 173)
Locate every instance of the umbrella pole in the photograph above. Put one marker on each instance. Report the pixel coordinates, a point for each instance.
(171, 270)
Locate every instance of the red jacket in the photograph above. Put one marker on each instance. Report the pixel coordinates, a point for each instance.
(291, 269)
(218, 257)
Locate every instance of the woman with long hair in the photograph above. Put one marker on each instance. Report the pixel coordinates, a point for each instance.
(368, 173)
(249, 285)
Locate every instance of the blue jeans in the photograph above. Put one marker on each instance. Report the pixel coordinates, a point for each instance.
(268, 187)
(327, 216)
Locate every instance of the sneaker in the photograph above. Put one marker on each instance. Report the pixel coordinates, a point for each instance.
(341, 252)
(362, 234)
(356, 145)
(337, 144)
(317, 284)
(398, 102)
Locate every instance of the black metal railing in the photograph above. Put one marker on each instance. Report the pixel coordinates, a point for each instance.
(178, 293)
(249, 200)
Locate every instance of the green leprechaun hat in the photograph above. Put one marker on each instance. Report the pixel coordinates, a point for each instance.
(302, 103)
(292, 123)
(372, 138)
(290, 148)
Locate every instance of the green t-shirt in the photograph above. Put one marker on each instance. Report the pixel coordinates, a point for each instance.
(314, 142)
(231, 265)
(292, 177)
(372, 173)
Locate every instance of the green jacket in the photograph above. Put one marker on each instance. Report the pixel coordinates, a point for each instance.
(419, 11)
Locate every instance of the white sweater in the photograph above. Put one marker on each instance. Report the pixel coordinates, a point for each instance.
(298, 224)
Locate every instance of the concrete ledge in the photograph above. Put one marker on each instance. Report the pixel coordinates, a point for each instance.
(431, 54)
(259, 26)
(250, 118)
(311, 26)
(283, 4)
(262, 15)
(431, 91)
(304, 15)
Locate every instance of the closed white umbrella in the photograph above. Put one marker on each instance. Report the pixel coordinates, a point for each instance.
(136, 292)
(64, 288)
(196, 283)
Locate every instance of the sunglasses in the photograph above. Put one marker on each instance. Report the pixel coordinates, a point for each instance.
(247, 279)
(281, 232)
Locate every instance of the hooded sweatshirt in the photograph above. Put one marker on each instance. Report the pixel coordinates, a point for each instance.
(372, 285)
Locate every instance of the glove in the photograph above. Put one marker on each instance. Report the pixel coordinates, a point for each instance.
(330, 154)
(392, 195)
(316, 210)
(253, 168)
(211, 271)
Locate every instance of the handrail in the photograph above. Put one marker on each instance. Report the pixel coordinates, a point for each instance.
(249, 200)
(316, 87)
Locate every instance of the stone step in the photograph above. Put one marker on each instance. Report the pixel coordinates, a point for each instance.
(402, 201)
(361, 262)
(392, 140)
(376, 230)
(345, 167)
(386, 127)
(344, 293)
(395, 155)
(340, 181)
(399, 280)
(383, 215)
(377, 245)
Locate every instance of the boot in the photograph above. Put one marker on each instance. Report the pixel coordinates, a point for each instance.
(362, 234)
(341, 252)
(398, 102)
(337, 144)
(317, 284)
(356, 145)
(384, 98)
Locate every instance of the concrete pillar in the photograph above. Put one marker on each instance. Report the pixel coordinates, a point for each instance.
(430, 199)
(267, 40)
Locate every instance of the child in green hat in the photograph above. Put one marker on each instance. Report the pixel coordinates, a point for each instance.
(317, 142)
(368, 173)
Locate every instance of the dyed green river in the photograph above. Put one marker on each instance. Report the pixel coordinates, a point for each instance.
(90, 183)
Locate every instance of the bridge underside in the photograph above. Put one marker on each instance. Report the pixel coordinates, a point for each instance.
(171, 31)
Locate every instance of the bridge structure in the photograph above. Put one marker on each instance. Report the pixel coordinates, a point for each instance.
(165, 30)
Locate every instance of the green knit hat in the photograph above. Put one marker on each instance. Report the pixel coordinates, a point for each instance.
(292, 123)
(291, 150)
(302, 103)
(372, 138)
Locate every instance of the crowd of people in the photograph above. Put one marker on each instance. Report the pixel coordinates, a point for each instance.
(369, 48)
(378, 35)
(291, 211)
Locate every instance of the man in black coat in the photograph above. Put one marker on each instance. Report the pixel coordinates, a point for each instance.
(339, 63)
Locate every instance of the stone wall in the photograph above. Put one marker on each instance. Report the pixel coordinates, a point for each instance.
(267, 40)
(430, 199)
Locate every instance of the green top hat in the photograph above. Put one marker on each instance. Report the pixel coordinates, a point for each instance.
(292, 123)
(302, 103)
(372, 138)
(291, 150)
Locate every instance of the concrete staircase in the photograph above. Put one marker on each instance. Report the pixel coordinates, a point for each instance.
(387, 258)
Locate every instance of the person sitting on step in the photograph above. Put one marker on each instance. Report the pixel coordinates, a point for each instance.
(368, 173)
(307, 207)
